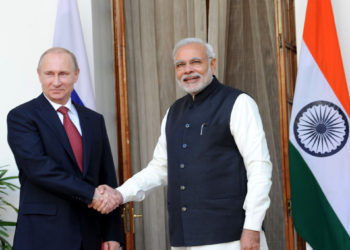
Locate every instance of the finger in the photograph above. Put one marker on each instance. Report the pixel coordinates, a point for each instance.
(101, 204)
(113, 245)
(93, 204)
(105, 246)
(105, 207)
(107, 210)
(102, 209)
(112, 204)
(97, 203)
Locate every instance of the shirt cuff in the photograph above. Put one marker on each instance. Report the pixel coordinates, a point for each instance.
(130, 192)
(252, 224)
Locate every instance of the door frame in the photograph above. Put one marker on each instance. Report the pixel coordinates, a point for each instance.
(287, 73)
(122, 115)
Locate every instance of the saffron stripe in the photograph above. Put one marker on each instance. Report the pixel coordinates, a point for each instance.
(321, 38)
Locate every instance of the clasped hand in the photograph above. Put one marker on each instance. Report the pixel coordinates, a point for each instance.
(106, 199)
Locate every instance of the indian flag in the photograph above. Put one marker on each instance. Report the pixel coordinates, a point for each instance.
(319, 146)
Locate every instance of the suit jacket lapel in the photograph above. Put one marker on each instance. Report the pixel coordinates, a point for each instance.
(49, 116)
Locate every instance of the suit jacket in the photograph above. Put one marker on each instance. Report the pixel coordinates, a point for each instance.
(54, 194)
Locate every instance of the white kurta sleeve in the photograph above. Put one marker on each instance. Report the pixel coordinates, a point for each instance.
(247, 130)
(153, 176)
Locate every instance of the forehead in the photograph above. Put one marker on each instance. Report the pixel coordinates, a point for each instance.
(190, 51)
(57, 60)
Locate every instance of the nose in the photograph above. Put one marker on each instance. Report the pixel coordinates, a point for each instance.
(56, 81)
(188, 68)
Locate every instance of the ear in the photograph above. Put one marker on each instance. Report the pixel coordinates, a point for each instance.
(213, 65)
(77, 75)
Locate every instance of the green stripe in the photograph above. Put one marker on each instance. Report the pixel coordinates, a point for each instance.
(313, 216)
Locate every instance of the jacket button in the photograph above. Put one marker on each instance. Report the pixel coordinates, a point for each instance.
(187, 125)
(184, 209)
(184, 145)
(182, 187)
(182, 165)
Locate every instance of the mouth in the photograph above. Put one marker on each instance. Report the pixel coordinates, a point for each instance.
(57, 91)
(191, 79)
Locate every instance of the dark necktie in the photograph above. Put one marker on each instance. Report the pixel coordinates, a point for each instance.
(73, 136)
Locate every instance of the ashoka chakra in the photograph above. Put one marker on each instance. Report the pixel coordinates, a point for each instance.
(321, 128)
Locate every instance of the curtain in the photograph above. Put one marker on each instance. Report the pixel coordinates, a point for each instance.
(152, 29)
(251, 65)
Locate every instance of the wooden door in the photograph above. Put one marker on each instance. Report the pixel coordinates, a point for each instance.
(122, 116)
(287, 72)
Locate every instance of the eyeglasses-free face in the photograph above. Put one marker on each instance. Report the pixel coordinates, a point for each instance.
(192, 68)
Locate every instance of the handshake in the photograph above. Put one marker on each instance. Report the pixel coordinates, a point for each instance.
(106, 199)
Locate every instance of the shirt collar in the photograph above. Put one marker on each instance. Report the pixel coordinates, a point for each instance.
(213, 85)
(56, 106)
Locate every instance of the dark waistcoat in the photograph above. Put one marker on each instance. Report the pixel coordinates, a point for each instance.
(207, 181)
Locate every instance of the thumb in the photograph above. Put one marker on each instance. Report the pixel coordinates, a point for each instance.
(101, 189)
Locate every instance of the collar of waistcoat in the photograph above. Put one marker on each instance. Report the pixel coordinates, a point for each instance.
(214, 84)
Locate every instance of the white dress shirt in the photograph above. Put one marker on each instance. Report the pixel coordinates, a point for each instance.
(247, 130)
(72, 112)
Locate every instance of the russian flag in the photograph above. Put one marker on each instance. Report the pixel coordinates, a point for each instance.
(69, 35)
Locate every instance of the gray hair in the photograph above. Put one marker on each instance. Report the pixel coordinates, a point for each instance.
(185, 41)
(58, 50)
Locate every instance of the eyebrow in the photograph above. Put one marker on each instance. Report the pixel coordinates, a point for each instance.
(53, 71)
(193, 58)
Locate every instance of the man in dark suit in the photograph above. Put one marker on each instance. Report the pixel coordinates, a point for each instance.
(63, 154)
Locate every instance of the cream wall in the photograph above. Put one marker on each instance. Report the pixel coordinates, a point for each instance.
(26, 30)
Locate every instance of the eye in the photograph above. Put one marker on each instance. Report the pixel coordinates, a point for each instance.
(180, 65)
(196, 62)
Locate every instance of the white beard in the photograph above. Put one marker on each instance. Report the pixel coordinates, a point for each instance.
(204, 82)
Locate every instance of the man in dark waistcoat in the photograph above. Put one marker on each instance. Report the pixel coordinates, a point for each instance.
(212, 154)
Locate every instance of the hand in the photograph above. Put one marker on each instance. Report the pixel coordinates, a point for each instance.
(106, 199)
(250, 240)
(98, 200)
(111, 245)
